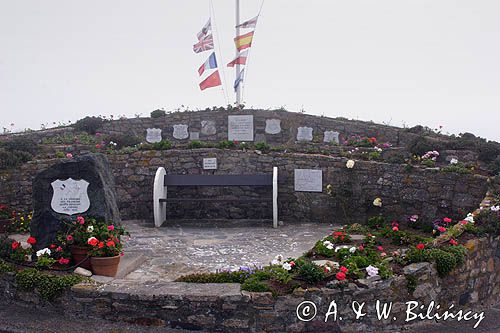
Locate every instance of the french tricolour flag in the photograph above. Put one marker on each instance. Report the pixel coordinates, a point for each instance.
(211, 63)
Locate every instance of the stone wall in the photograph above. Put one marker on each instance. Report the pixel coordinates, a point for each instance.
(224, 308)
(426, 192)
(290, 121)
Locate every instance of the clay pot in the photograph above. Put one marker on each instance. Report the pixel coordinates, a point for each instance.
(106, 266)
(79, 253)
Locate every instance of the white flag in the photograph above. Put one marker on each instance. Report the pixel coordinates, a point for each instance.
(249, 24)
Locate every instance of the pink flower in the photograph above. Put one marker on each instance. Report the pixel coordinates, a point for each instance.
(98, 146)
(463, 222)
(361, 247)
(453, 242)
(111, 227)
(441, 229)
(69, 155)
(383, 254)
(59, 249)
(69, 238)
(447, 220)
(343, 269)
(380, 248)
(395, 229)
(80, 220)
(420, 246)
(292, 263)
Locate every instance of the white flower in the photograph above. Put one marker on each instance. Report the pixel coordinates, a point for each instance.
(495, 208)
(287, 266)
(378, 149)
(42, 252)
(371, 271)
(353, 249)
(350, 164)
(377, 202)
(453, 161)
(277, 260)
(341, 247)
(90, 228)
(469, 218)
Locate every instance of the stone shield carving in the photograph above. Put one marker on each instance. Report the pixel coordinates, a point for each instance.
(273, 126)
(181, 132)
(304, 134)
(153, 135)
(70, 196)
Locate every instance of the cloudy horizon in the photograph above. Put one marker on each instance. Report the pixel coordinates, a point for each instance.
(400, 63)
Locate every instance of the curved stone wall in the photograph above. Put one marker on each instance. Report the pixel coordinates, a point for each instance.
(425, 192)
(224, 308)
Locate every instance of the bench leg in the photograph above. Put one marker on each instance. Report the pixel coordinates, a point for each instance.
(159, 192)
(275, 197)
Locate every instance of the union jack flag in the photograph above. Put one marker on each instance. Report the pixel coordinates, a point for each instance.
(205, 44)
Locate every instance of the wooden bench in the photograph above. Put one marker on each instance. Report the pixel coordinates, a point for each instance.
(163, 180)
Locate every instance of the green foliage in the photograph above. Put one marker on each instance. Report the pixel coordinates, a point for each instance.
(225, 144)
(421, 144)
(459, 251)
(89, 124)
(310, 272)
(278, 273)
(383, 270)
(262, 146)
(21, 144)
(45, 261)
(357, 261)
(49, 286)
(220, 277)
(195, 144)
(374, 156)
(162, 145)
(13, 159)
(322, 250)
(255, 285)
(415, 255)
(456, 168)
(488, 222)
(60, 154)
(5, 267)
(157, 114)
(411, 283)
(244, 145)
(428, 163)
(445, 261)
(376, 222)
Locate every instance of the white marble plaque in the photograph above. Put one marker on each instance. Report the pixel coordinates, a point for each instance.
(194, 135)
(308, 180)
(304, 134)
(240, 128)
(273, 126)
(331, 136)
(153, 135)
(70, 196)
(208, 127)
(181, 132)
(210, 163)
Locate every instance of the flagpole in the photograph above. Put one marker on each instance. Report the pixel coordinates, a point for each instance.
(238, 88)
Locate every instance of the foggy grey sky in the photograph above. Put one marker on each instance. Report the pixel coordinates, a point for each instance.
(430, 62)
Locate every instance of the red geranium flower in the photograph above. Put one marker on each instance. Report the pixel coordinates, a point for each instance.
(420, 246)
(361, 247)
(31, 240)
(69, 238)
(395, 229)
(447, 220)
(380, 248)
(100, 245)
(340, 276)
(111, 227)
(80, 219)
(343, 269)
(441, 229)
(59, 249)
(292, 263)
(453, 242)
(93, 241)
(52, 246)
(15, 245)
(110, 243)
(63, 261)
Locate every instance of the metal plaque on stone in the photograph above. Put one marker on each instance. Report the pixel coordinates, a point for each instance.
(70, 196)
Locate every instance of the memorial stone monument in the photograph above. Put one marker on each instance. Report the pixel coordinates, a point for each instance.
(81, 186)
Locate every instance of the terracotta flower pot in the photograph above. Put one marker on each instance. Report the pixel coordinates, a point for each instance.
(5, 224)
(106, 266)
(79, 253)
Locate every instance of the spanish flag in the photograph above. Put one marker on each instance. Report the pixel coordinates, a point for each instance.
(244, 41)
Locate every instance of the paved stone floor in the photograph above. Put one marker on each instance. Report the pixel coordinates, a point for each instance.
(172, 251)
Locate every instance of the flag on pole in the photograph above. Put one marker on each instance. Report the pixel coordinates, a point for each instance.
(205, 44)
(210, 63)
(205, 30)
(249, 24)
(239, 80)
(244, 41)
(240, 59)
(213, 80)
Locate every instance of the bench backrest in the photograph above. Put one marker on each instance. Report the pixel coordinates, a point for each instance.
(219, 180)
